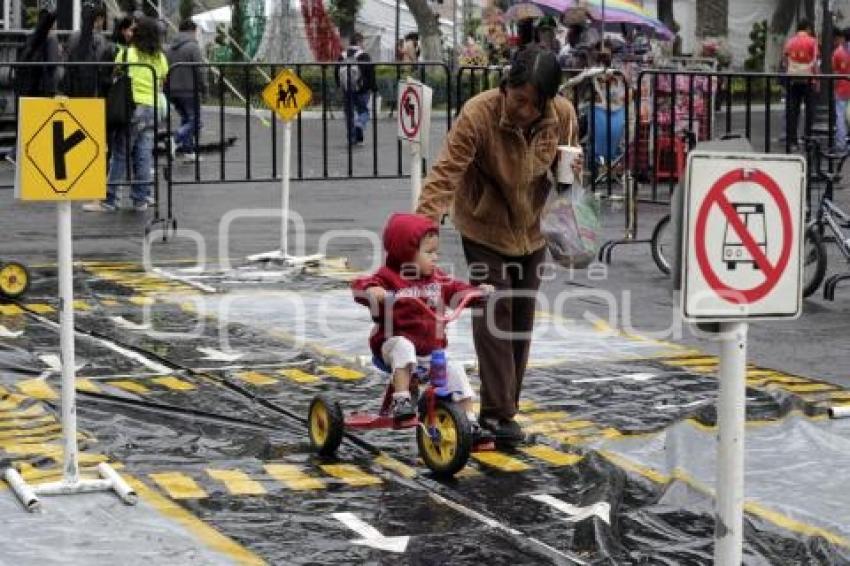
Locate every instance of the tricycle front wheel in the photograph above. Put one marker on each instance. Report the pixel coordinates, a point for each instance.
(445, 444)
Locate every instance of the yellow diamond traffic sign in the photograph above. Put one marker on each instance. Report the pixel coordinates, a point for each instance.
(61, 149)
(287, 95)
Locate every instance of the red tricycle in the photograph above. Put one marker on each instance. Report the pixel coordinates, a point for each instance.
(443, 432)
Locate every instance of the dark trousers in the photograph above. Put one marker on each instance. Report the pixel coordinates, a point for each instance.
(503, 339)
(799, 93)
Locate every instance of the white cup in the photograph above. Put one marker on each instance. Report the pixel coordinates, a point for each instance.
(567, 155)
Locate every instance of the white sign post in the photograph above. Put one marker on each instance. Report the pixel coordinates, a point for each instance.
(414, 125)
(742, 260)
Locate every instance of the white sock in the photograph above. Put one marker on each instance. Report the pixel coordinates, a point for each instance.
(470, 416)
(399, 395)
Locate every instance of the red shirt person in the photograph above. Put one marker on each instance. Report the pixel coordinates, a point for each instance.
(801, 58)
(841, 66)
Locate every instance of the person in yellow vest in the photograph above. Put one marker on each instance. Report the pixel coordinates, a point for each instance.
(134, 145)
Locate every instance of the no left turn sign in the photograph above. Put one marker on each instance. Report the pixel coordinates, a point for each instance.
(410, 113)
(743, 236)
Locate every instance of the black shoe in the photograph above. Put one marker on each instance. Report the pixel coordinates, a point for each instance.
(358, 135)
(479, 434)
(403, 409)
(504, 429)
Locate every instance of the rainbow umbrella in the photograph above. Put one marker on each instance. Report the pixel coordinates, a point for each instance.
(613, 12)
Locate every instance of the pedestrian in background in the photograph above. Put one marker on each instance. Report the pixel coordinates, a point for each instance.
(184, 88)
(357, 80)
(139, 136)
(88, 46)
(841, 66)
(801, 60)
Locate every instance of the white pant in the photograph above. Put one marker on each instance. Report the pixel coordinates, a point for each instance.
(398, 353)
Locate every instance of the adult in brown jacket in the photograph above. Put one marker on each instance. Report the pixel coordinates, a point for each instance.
(494, 175)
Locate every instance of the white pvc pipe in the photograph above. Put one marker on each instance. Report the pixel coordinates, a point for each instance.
(415, 174)
(124, 491)
(71, 472)
(284, 221)
(63, 488)
(25, 494)
(839, 412)
(731, 416)
(77, 17)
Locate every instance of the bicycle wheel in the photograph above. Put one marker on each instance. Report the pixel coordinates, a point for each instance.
(663, 245)
(814, 261)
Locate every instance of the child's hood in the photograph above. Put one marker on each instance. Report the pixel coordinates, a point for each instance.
(402, 236)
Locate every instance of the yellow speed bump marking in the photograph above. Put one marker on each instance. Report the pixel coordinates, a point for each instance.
(40, 308)
(37, 388)
(703, 361)
(20, 423)
(87, 385)
(292, 477)
(28, 413)
(256, 378)
(173, 383)
(237, 482)
(11, 310)
(141, 301)
(81, 306)
(342, 373)
(501, 461)
(178, 486)
(130, 386)
(551, 456)
(398, 467)
(809, 387)
(299, 375)
(11, 401)
(350, 474)
(35, 432)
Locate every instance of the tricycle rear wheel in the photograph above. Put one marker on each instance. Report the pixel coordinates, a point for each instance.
(325, 425)
(14, 279)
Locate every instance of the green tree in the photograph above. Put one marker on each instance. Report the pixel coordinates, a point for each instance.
(237, 29)
(344, 15)
(758, 42)
(187, 9)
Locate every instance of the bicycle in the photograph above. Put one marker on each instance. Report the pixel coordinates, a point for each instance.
(443, 433)
(14, 279)
(827, 216)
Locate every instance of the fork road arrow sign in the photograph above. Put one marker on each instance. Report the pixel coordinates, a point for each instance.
(371, 536)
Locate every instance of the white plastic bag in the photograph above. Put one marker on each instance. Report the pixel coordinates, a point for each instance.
(570, 225)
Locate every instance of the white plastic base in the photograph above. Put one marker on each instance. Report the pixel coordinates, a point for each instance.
(28, 495)
(839, 412)
(286, 259)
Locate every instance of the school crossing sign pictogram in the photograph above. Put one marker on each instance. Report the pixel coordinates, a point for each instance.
(743, 236)
(61, 149)
(287, 95)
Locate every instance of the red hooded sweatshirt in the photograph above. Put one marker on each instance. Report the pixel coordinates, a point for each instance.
(402, 237)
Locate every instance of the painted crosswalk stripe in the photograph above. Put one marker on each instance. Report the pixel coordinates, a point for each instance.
(87, 385)
(11, 310)
(237, 482)
(809, 387)
(40, 308)
(551, 456)
(81, 306)
(130, 386)
(398, 467)
(173, 383)
(293, 477)
(350, 474)
(28, 413)
(20, 423)
(178, 486)
(299, 375)
(342, 373)
(501, 461)
(35, 432)
(141, 301)
(37, 388)
(256, 378)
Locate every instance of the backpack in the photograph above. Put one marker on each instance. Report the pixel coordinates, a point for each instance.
(29, 80)
(350, 76)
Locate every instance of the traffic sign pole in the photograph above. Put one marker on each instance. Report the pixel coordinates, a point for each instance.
(66, 343)
(731, 416)
(284, 185)
(415, 173)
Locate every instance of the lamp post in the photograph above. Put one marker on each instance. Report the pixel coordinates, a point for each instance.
(76, 18)
(397, 26)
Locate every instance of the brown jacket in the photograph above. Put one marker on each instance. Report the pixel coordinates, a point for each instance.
(493, 179)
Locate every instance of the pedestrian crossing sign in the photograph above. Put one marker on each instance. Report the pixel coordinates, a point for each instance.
(287, 95)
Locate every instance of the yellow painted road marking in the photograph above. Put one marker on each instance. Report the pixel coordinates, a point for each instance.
(842, 395)
(343, 373)
(704, 361)
(40, 308)
(350, 474)
(256, 378)
(809, 387)
(292, 477)
(178, 486)
(552, 456)
(527, 405)
(11, 310)
(37, 388)
(399, 467)
(501, 461)
(211, 537)
(188, 308)
(141, 301)
(54, 451)
(30, 432)
(12, 401)
(20, 423)
(87, 385)
(110, 303)
(237, 482)
(467, 472)
(299, 375)
(172, 382)
(81, 306)
(29, 412)
(130, 386)
(546, 416)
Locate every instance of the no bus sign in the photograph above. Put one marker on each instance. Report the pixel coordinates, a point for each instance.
(743, 236)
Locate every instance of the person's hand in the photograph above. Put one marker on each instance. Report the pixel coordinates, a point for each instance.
(486, 289)
(377, 294)
(578, 166)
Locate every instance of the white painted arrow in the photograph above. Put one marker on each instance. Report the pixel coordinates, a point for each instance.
(371, 536)
(624, 377)
(601, 509)
(6, 333)
(218, 355)
(54, 362)
(129, 325)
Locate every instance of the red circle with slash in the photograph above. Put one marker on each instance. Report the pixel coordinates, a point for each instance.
(415, 119)
(772, 272)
